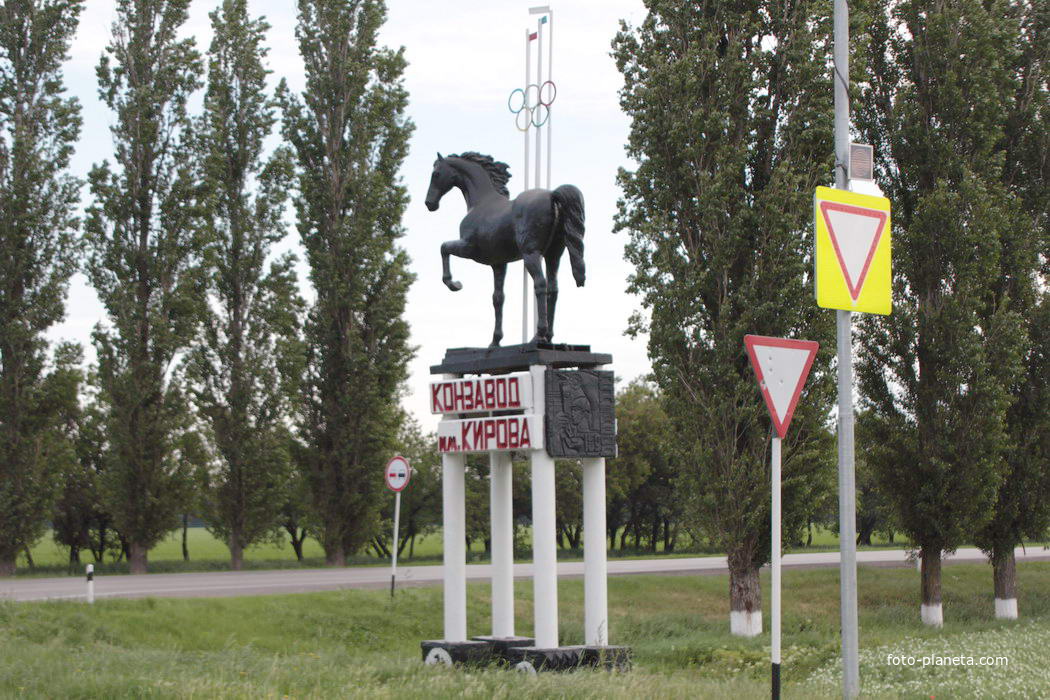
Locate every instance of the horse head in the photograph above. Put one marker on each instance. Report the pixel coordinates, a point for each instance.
(441, 181)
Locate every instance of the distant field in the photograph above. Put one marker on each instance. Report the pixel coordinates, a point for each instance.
(357, 643)
(208, 553)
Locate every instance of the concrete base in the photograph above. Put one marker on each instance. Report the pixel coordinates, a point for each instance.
(1006, 609)
(532, 659)
(440, 652)
(500, 646)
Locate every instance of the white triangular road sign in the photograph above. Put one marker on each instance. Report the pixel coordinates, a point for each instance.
(781, 366)
(855, 233)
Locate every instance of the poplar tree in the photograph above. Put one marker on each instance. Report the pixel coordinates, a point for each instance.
(144, 261)
(731, 130)
(234, 370)
(937, 373)
(350, 135)
(1022, 508)
(38, 198)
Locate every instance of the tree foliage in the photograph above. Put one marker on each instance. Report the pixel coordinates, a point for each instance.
(145, 264)
(38, 198)
(937, 373)
(349, 134)
(253, 320)
(731, 130)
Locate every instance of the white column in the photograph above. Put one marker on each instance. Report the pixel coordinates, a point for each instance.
(595, 589)
(502, 533)
(453, 469)
(544, 533)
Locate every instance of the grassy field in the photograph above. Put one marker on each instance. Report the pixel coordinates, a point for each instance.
(360, 644)
(208, 553)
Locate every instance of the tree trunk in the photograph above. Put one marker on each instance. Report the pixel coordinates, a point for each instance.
(8, 564)
(335, 555)
(29, 558)
(297, 545)
(236, 552)
(185, 530)
(932, 613)
(137, 558)
(1004, 574)
(745, 595)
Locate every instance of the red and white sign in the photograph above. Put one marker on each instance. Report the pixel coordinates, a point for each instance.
(490, 434)
(781, 366)
(481, 394)
(398, 472)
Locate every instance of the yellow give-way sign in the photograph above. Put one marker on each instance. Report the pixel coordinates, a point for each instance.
(853, 269)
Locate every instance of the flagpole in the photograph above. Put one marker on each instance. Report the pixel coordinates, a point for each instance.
(550, 77)
(525, 170)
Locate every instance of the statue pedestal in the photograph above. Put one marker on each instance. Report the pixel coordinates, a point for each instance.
(533, 659)
(514, 358)
(548, 402)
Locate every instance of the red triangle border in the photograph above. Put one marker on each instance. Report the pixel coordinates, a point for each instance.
(854, 289)
(750, 341)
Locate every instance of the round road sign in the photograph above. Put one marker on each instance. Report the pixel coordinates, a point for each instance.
(397, 473)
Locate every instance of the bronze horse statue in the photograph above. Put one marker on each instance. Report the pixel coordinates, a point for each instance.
(537, 224)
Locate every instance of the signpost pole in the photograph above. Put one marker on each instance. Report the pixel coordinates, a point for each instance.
(844, 336)
(775, 612)
(393, 549)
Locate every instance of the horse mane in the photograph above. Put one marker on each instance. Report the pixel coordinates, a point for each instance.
(498, 172)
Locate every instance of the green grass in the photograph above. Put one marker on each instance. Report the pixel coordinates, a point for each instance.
(359, 644)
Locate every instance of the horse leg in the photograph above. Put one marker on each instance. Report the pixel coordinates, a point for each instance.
(459, 249)
(499, 274)
(539, 284)
(553, 258)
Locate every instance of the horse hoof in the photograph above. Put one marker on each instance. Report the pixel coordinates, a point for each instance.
(495, 342)
(454, 286)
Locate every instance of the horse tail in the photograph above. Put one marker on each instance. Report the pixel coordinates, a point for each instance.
(569, 201)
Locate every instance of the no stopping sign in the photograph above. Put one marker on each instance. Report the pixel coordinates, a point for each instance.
(397, 473)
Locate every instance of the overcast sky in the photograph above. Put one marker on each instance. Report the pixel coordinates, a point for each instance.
(464, 58)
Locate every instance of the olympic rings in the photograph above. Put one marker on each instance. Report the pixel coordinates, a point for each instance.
(511, 98)
(536, 112)
(528, 119)
(553, 93)
(530, 101)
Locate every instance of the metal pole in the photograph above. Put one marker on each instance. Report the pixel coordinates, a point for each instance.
(539, 83)
(595, 567)
(775, 612)
(90, 583)
(525, 188)
(501, 504)
(844, 337)
(393, 550)
(550, 76)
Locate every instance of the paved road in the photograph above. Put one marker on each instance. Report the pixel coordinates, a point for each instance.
(230, 583)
